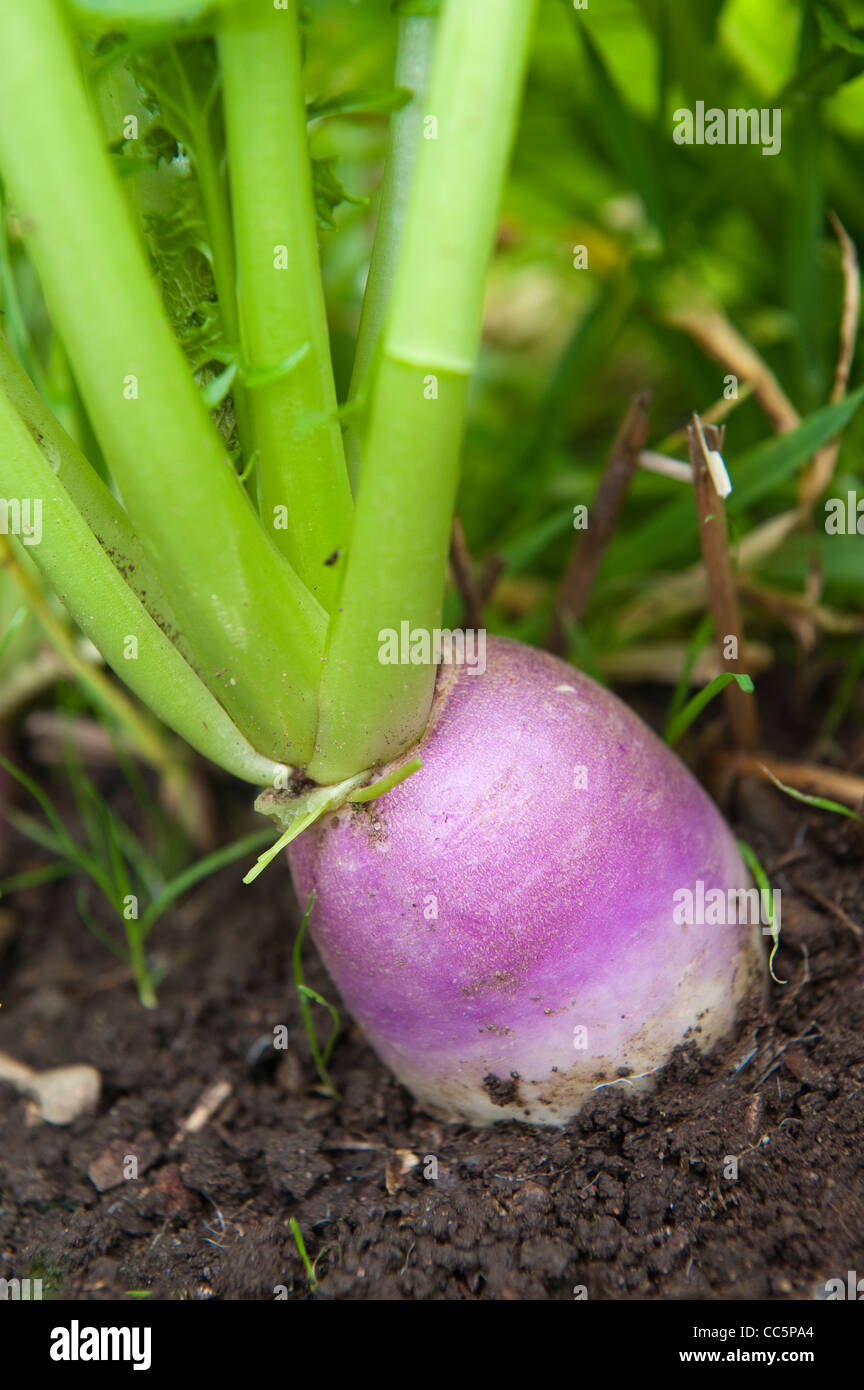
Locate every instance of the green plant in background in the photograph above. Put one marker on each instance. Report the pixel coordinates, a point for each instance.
(320, 1056)
(679, 723)
(677, 238)
(752, 861)
(302, 1252)
(130, 876)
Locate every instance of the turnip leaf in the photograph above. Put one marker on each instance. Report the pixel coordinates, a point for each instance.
(363, 101)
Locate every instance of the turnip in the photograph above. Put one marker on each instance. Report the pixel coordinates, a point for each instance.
(502, 923)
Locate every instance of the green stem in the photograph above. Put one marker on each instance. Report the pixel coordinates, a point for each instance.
(104, 607)
(396, 568)
(304, 994)
(304, 497)
(413, 59)
(139, 967)
(99, 508)
(256, 630)
(14, 319)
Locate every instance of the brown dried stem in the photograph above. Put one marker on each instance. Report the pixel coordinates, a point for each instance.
(463, 574)
(821, 470)
(720, 340)
(584, 562)
(740, 706)
(810, 778)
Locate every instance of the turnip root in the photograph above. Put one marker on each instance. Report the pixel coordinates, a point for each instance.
(502, 924)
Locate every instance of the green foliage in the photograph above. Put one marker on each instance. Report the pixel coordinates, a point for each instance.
(301, 1250)
(321, 1056)
(822, 803)
(665, 226)
(172, 164)
(330, 191)
(748, 854)
(409, 7)
(698, 643)
(359, 102)
(138, 884)
(680, 722)
(144, 12)
(835, 31)
(14, 626)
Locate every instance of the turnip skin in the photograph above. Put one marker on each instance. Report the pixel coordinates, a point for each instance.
(554, 902)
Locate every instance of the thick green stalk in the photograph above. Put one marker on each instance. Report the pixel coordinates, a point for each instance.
(256, 630)
(413, 60)
(304, 496)
(104, 607)
(99, 508)
(397, 564)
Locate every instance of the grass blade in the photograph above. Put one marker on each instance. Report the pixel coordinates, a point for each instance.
(681, 722)
(755, 867)
(304, 994)
(822, 803)
(698, 643)
(301, 1247)
(210, 864)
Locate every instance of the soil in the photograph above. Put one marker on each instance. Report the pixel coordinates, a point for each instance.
(636, 1199)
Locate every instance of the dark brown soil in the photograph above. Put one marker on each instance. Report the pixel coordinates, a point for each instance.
(631, 1201)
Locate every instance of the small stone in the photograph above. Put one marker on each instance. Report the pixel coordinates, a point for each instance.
(123, 1161)
(174, 1197)
(399, 1164)
(289, 1074)
(64, 1093)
